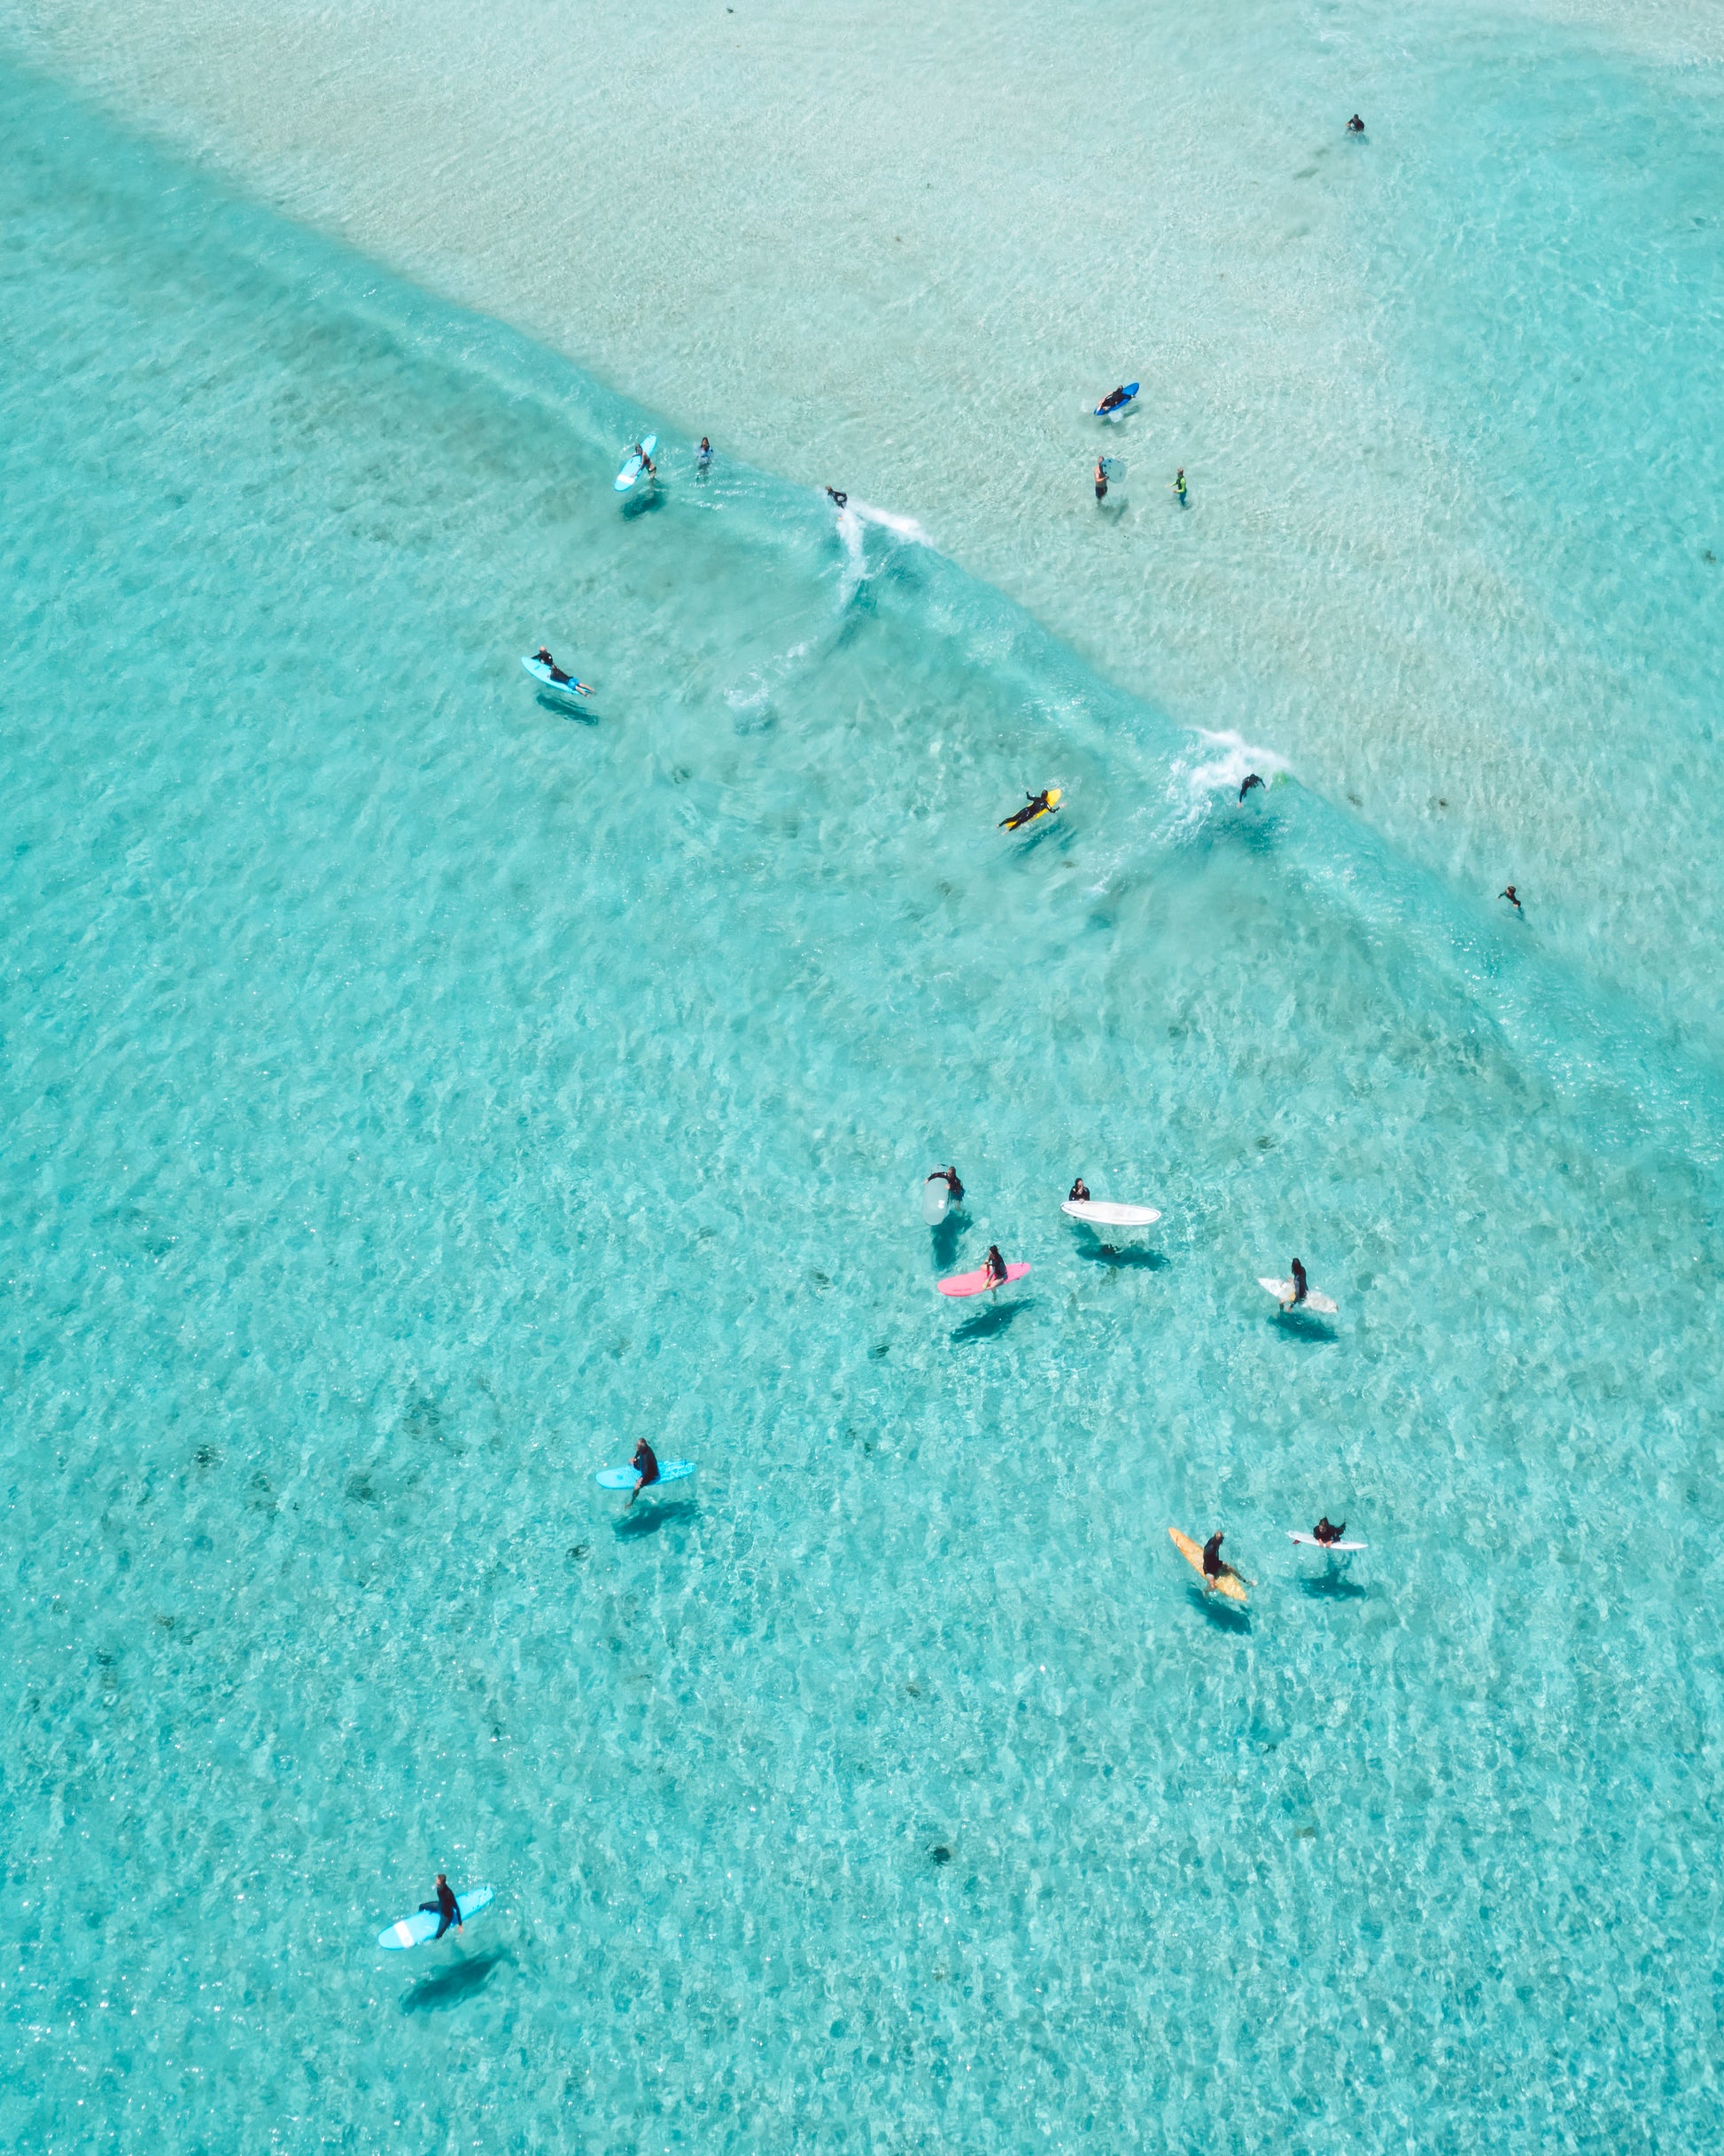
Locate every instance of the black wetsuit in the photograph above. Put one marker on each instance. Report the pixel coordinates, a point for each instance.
(446, 1909)
(1301, 1286)
(1325, 1533)
(645, 1464)
(1080, 1193)
(1212, 1564)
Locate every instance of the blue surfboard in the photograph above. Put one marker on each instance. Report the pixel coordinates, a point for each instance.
(635, 467)
(626, 1478)
(1110, 411)
(540, 671)
(422, 1924)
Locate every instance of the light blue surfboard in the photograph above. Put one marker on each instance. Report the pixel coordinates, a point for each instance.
(626, 1478)
(632, 470)
(422, 1924)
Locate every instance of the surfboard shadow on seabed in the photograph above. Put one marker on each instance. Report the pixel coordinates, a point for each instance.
(987, 1324)
(1225, 1616)
(450, 1987)
(648, 1514)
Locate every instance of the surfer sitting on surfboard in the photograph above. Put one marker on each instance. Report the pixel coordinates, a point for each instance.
(1213, 1566)
(446, 1909)
(1080, 1193)
(1044, 803)
(1301, 1287)
(1325, 1533)
(645, 1464)
(994, 1266)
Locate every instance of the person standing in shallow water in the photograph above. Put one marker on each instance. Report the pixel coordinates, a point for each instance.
(1102, 478)
(645, 1464)
(446, 1909)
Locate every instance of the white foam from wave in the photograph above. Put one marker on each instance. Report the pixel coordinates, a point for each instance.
(1220, 764)
(851, 518)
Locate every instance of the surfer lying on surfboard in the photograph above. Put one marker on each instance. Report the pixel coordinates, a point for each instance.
(1325, 1533)
(1044, 803)
(543, 657)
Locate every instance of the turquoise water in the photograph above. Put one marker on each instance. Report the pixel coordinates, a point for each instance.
(415, 1093)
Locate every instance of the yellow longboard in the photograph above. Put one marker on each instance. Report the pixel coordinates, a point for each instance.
(1230, 1583)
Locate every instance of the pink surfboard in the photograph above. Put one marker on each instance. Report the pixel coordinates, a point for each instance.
(978, 1283)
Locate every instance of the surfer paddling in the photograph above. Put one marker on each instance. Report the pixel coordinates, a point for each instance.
(1324, 1533)
(1112, 401)
(543, 657)
(1044, 803)
(645, 1464)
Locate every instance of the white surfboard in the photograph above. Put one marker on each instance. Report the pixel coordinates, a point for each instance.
(1310, 1542)
(1283, 1292)
(1106, 1214)
(936, 1200)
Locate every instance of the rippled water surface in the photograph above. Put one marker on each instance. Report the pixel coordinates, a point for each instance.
(416, 1090)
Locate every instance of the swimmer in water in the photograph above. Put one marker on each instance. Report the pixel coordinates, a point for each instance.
(1247, 782)
(1080, 1193)
(1102, 478)
(1177, 483)
(994, 1266)
(446, 1909)
(1325, 1533)
(1510, 895)
(645, 1464)
(1112, 401)
(838, 500)
(1355, 126)
(1044, 803)
(1301, 1287)
(703, 455)
(948, 1177)
(1213, 1566)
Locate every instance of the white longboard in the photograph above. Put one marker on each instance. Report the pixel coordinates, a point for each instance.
(1283, 1292)
(1310, 1542)
(1104, 1213)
